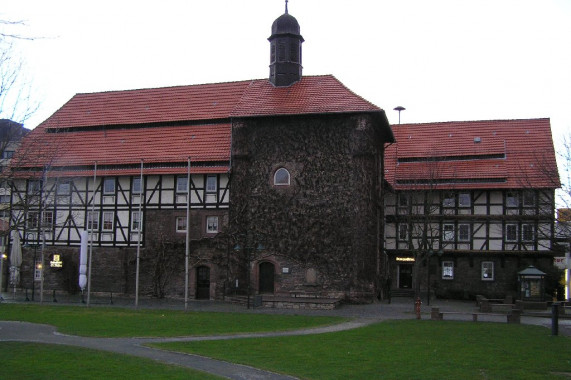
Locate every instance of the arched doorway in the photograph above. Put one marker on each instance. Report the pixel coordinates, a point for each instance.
(266, 278)
(202, 283)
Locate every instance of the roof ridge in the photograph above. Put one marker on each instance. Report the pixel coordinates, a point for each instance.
(475, 121)
(165, 87)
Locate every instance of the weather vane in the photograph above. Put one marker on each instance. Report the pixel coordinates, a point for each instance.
(286, 4)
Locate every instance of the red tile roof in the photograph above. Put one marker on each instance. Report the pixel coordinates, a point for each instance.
(472, 154)
(169, 124)
(311, 95)
(146, 106)
(119, 146)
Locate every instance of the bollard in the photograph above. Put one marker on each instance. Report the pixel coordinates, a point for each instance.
(555, 319)
(417, 304)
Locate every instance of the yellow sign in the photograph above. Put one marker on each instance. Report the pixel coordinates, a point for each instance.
(406, 259)
(56, 262)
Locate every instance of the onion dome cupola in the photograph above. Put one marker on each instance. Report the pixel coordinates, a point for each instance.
(285, 51)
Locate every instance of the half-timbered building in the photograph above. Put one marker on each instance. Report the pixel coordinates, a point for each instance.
(301, 155)
(471, 204)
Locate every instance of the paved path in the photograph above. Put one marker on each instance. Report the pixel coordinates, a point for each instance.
(30, 332)
(361, 315)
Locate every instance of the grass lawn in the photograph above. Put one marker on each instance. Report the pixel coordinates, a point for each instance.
(32, 361)
(404, 350)
(118, 322)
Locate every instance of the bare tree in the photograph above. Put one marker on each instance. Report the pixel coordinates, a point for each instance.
(419, 217)
(15, 90)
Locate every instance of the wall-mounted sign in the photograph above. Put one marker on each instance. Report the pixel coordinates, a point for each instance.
(560, 262)
(405, 259)
(56, 262)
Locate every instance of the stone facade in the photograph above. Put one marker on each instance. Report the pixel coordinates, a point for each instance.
(321, 230)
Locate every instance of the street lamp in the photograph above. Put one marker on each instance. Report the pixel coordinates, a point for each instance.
(429, 254)
(399, 109)
(2, 258)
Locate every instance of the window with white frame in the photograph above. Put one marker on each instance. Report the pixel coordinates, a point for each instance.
(464, 200)
(109, 186)
(182, 184)
(448, 232)
(108, 219)
(448, 270)
(136, 220)
(64, 188)
(48, 219)
(181, 224)
(529, 198)
(33, 187)
(212, 224)
(463, 232)
(511, 232)
(281, 177)
(403, 232)
(512, 200)
(487, 271)
(136, 189)
(93, 220)
(527, 232)
(449, 201)
(211, 184)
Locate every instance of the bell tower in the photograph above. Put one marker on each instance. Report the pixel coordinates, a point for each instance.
(285, 51)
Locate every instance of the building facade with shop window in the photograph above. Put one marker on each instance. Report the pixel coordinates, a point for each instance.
(471, 204)
(117, 165)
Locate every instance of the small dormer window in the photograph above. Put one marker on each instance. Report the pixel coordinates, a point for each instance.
(281, 177)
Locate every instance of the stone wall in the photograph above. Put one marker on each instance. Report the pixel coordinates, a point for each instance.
(325, 220)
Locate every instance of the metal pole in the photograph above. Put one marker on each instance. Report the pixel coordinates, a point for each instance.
(41, 221)
(139, 237)
(568, 272)
(187, 250)
(428, 279)
(555, 319)
(248, 250)
(42, 261)
(91, 235)
(1, 268)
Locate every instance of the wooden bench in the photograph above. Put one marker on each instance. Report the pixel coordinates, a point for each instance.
(512, 317)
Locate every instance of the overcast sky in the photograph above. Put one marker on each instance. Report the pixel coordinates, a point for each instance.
(441, 60)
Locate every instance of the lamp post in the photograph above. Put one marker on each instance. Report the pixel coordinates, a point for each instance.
(2, 258)
(429, 254)
(399, 109)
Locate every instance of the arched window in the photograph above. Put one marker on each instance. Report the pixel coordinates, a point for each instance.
(281, 177)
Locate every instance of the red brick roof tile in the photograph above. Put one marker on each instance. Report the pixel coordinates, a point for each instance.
(154, 105)
(170, 124)
(311, 95)
(473, 154)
